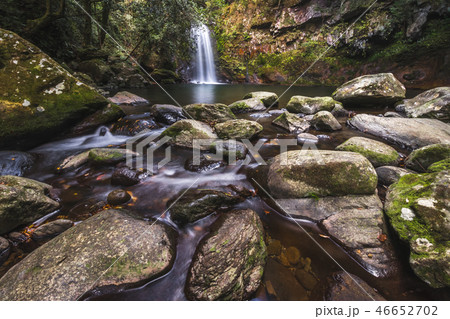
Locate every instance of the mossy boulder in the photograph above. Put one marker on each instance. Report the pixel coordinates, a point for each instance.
(238, 129)
(109, 155)
(97, 69)
(109, 251)
(311, 105)
(418, 210)
(107, 115)
(439, 166)
(291, 122)
(371, 90)
(313, 173)
(184, 133)
(378, 153)
(165, 76)
(23, 201)
(420, 159)
(247, 106)
(38, 97)
(229, 262)
(325, 121)
(268, 98)
(231, 150)
(209, 113)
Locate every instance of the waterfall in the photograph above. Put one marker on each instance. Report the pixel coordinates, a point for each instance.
(204, 69)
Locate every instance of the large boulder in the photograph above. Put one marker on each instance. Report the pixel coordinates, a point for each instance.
(184, 132)
(238, 129)
(229, 262)
(268, 98)
(209, 113)
(167, 114)
(374, 89)
(38, 97)
(410, 133)
(108, 251)
(311, 105)
(312, 173)
(247, 106)
(15, 163)
(291, 122)
(420, 159)
(127, 98)
(378, 153)
(419, 211)
(434, 103)
(325, 121)
(22, 201)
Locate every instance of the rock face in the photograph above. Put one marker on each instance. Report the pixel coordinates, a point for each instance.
(247, 106)
(38, 97)
(238, 129)
(374, 89)
(51, 229)
(22, 201)
(388, 175)
(229, 262)
(133, 124)
(184, 132)
(311, 105)
(291, 122)
(346, 288)
(297, 174)
(127, 98)
(378, 153)
(434, 103)
(411, 133)
(325, 121)
(209, 113)
(420, 159)
(167, 114)
(74, 267)
(15, 163)
(268, 98)
(419, 211)
(4, 250)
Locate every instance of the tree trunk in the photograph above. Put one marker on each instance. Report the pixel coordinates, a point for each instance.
(105, 19)
(87, 30)
(49, 16)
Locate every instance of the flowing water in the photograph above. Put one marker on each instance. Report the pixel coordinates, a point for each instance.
(82, 188)
(204, 67)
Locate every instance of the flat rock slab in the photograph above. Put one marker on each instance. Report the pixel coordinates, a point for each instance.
(75, 262)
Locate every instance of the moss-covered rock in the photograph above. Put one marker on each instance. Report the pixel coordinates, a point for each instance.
(269, 99)
(165, 76)
(378, 153)
(238, 129)
(439, 166)
(311, 105)
(184, 133)
(109, 155)
(418, 210)
(247, 106)
(420, 159)
(38, 97)
(107, 115)
(291, 122)
(388, 175)
(325, 121)
(229, 262)
(209, 113)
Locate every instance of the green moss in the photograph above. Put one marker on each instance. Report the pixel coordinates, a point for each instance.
(440, 166)
(377, 158)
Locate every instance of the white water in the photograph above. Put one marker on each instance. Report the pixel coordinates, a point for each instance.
(204, 70)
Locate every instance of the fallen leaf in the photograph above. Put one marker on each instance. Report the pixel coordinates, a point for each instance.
(267, 212)
(382, 237)
(369, 255)
(324, 236)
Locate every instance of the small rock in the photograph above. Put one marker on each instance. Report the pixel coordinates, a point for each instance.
(118, 197)
(238, 129)
(107, 156)
(291, 122)
(167, 114)
(306, 138)
(206, 164)
(73, 162)
(274, 248)
(325, 121)
(124, 176)
(268, 98)
(311, 105)
(17, 237)
(134, 124)
(420, 159)
(293, 255)
(209, 113)
(127, 98)
(247, 106)
(184, 133)
(51, 229)
(392, 114)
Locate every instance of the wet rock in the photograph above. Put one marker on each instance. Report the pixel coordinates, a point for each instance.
(312, 173)
(15, 163)
(73, 162)
(378, 153)
(420, 159)
(325, 121)
(238, 129)
(339, 111)
(268, 98)
(346, 288)
(184, 133)
(108, 114)
(375, 89)
(17, 237)
(206, 164)
(418, 210)
(134, 124)
(51, 229)
(231, 149)
(167, 114)
(411, 133)
(75, 267)
(107, 156)
(4, 250)
(22, 201)
(198, 203)
(229, 262)
(118, 197)
(311, 105)
(247, 106)
(291, 122)
(434, 103)
(388, 175)
(127, 98)
(125, 176)
(306, 138)
(306, 279)
(209, 113)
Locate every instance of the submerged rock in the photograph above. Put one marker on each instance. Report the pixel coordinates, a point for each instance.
(411, 133)
(167, 114)
(206, 164)
(118, 197)
(247, 106)
(15, 163)
(238, 129)
(420, 159)
(291, 122)
(22, 201)
(134, 124)
(378, 153)
(371, 90)
(325, 121)
(209, 113)
(229, 262)
(342, 287)
(184, 132)
(51, 229)
(112, 250)
(434, 103)
(127, 98)
(268, 98)
(311, 105)
(5, 248)
(388, 175)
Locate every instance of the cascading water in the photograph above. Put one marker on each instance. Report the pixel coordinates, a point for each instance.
(204, 70)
